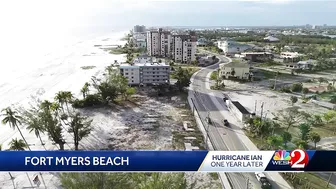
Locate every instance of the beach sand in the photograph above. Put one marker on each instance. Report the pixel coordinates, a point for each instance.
(63, 72)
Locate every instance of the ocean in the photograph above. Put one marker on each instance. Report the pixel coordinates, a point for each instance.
(22, 52)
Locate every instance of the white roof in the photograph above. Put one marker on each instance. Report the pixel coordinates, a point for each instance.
(271, 38)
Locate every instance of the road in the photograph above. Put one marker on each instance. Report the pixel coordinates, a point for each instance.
(223, 138)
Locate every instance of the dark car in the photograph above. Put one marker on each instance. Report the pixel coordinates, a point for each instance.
(226, 123)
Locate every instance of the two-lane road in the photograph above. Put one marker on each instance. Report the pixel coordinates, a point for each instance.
(222, 137)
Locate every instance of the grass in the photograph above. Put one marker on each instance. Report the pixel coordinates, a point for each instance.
(192, 70)
(271, 75)
(214, 75)
(327, 130)
(87, 67)
(306, 180)
(214, 176)
(326, 95)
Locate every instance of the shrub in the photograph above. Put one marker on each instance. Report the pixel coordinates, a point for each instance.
(90, 100)
(297, 87)
(285, 89)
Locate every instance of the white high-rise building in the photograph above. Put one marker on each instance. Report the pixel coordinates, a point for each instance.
(180, 47)
(184, 47)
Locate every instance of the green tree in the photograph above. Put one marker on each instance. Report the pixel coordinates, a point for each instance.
(80, 127)
(64, 98)
(297, 87)
(305, 91)
(329, 116)
(301, 144)
(321, 80)
(274, 141)
(314, 137)
(12, 118)
(290, 117)
(293, 99)
(17, 145)
(85, 89)
(304, 131)
(287, 137)
(183, 78)
(129, 92)
(34, 125)
(52, 125)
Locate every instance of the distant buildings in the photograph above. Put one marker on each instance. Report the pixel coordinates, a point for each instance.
(202, 42)
(139, 40)
(145, 71)
(235, 70)
(232, 47)
(179, 47)
(139, 29)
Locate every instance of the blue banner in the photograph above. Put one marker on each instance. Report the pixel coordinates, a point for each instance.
(168, 161)
(132, 161)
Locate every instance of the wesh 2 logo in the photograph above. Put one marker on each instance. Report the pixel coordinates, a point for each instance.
(297, 159)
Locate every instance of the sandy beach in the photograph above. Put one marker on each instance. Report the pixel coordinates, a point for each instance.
(62, 72)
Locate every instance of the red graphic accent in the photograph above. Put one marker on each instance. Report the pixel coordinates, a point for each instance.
(299, 159)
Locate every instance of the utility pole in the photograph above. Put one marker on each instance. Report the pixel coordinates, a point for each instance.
(262, 109)
(248, 183)
(255, 107)
(331, 174)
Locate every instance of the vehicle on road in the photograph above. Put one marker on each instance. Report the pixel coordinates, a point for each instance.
(265, 184)
(226, 122)
(208, 120)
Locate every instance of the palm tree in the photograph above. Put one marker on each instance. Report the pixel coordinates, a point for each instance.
(17, 145)
(64, 97)
(13, 119)
(35, 126)
(85, 89)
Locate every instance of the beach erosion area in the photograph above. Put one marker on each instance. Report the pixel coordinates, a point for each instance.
(64, 70)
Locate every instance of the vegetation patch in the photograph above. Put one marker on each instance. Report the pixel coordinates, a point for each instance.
(214, 75)
(88, 67)
(268, 64)
(305, 180)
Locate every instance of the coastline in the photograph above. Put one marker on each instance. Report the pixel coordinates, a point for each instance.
(61, 74)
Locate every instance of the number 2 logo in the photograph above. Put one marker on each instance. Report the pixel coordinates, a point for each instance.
(299, 159)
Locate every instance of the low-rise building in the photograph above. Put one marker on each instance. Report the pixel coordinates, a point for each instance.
(143, 71)
(271, 39)
(202, 42)
(291, 56)
(232, 47)
(235, 70)
(238, 110)
(258, 56)
(307, 64)
(139, 40)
